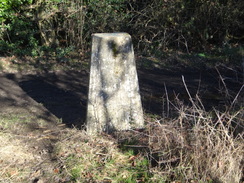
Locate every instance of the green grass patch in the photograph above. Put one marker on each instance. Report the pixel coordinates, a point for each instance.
(8, 121)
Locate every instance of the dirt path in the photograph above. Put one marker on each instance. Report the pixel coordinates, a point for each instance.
(62, 95)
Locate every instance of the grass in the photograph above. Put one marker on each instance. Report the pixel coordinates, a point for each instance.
(8, 121)
(228, 56)
(44, 63)
(191, 146)
(69, 59)
(195, 146)
(15, 158)
(98, 159)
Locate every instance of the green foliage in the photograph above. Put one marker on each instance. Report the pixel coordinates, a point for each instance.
(62, 52)
(106, 16)
(20, 39)
(155, 25)
(9, 9)
(17, 30)
(187, 25)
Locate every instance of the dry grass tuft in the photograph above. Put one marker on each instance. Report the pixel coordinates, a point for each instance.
(216, 152)
(195, 145)
(15, 157)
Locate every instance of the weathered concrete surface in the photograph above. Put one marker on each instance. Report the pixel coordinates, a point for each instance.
(114, 101)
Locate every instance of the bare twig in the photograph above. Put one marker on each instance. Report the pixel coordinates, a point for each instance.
(223, 82)
(167, 99)
(236, 97)
(190, 97)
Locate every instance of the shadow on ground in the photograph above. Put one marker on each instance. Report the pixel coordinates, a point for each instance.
(65, 105)
(64, 93)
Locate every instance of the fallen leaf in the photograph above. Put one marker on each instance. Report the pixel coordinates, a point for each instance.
(56, 170)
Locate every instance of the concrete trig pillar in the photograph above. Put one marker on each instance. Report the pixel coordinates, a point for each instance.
(114, 101)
